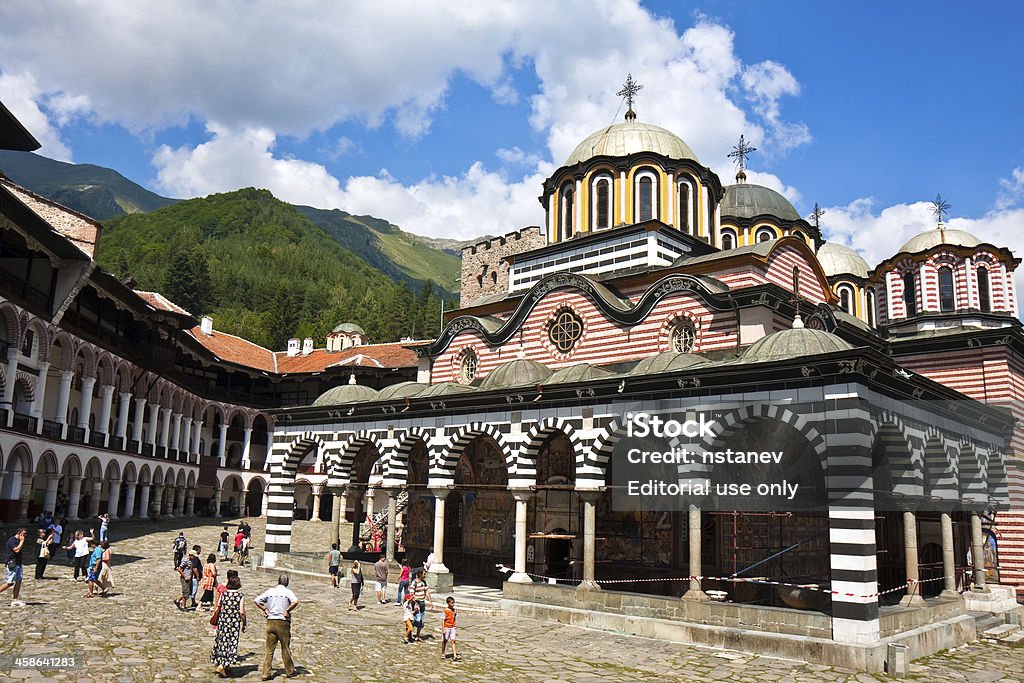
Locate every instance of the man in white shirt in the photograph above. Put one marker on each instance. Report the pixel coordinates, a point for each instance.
(277, 604)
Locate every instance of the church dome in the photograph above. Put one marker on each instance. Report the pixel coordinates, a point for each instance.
(668, 361)
(839, 259)
(799, 341)
(401, 390)
(515, 373)
(444, 389)
(580, 372)
(937, 237)
(349, 328)
(747, 201)
(346, 393)
(630, 137)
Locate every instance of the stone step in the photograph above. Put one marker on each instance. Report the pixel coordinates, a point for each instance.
(1001, 631)
(1012, 640)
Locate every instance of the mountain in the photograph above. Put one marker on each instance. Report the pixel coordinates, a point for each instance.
(262, 270)
(388, 248)
(93, 190)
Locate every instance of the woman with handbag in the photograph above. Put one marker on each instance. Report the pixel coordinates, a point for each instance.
(229, 618)
(45, 540)
(356, 583)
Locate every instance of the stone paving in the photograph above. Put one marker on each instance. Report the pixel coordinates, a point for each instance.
(137, 635)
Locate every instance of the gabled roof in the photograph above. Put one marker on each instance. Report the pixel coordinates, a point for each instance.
(160, 302)
(65, 232)
(13, 135)
(234, 349)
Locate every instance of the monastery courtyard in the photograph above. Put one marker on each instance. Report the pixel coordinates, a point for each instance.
(138, 635)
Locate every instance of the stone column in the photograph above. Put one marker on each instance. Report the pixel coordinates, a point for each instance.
(913, 597)
(129, 500)
(266, 501)
(197, 435)
(438, 565)
(589, 536)
(693, 532)
(185, 444)
(315, 515)
(978, 553)
(165, 427)
(389, 548)
(50, 500)
(154, 424)
(222, 446)
(216, 503)
(103, 420)
(24, 495)
(179, 501)
(140, 418)
(124, 401)
(12, 375)
(94, 499)
(63, 399)
(335, 516)
(175, 431)
(246, 447)
(157, 504)
(85, 405)
(368, 502)
(948, 558)
(143, 511)
(113, 497)
(522, 498)
(74, 496)
(243, 504)
(189, 502)
(40, 396)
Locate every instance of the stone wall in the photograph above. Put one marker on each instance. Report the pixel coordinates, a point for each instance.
(484, 270)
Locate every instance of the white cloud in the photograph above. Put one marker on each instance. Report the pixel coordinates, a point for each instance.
(22, 96)
(765, 84)
(1011, 190)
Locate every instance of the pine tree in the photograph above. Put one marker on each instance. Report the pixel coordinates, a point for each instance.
(187, 280)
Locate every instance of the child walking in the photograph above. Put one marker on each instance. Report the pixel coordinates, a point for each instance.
(409, 615)
(448, 630)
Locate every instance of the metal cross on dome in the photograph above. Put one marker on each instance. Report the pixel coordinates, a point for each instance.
(629, 90)
(940, 207)
(817, 214)
(740, 152)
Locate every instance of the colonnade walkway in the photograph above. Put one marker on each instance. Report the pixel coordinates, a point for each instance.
(138, 635)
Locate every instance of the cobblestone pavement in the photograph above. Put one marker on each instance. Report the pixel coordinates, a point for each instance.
(137, 635)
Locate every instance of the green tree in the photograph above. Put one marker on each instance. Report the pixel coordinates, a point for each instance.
(187, 280)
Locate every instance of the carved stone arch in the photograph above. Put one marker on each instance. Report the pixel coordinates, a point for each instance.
(973, 466)
(105, 369)
(158, 476)
(47, 463)
(592, 474)
(130, 475)
(43, 337)
(68, 350)
(145, 476)
(526, 463)
(396, 468)
(284, 465)
(180, 479)
(190, 482)
(340, 462)
(897, 459)
(10, 316)
(112, 471)
(443, 467)
(940, 469)
(85, 356)
(27, 382)
(243, 413)
(93, 469)
(998, 482)
(20, 458)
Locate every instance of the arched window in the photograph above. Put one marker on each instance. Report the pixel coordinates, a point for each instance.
(468, 366)
(683, 337)
(909, 294)
(602, 209)
(846, 299)
(871, 308)
(984, 290)
(728, 239)
(646, 198)
(765, 234)
(947, 301)
(565, 228)
(685, 223)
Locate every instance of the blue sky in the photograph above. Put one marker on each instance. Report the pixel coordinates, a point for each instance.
(445, 120)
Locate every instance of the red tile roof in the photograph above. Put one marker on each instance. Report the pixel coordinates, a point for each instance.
(160, 302)
(76, 227)
(234, 349)
(368, 356)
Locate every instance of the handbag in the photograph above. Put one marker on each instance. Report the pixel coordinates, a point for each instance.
(45, 553)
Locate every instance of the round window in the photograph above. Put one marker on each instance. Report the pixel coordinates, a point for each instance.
(565, 330)
(683, 336)
(467, 367)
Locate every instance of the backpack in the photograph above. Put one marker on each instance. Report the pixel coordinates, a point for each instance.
(179, 544)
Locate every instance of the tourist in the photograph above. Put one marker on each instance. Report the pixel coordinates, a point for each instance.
(244, 552)
(421, 594)
(222, 547)
(184, 570)
(209, 582)
(80, 547)
(58, 531)
(104, 526)
(409, 611)
(95, 560)
(237, 555)
(104, 579)
(380, 573)
(333, 561)
(197, 573)
(229, 618)
(277, 604)
(427, 562)
(179, 546)
(15, 570)
(448, 630)
(45, 540)
(403, 581)
(356, 582)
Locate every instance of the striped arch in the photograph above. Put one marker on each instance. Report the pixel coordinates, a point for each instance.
(28, 384)
(340, 462)
(105, 369)
(443, 467)
(526, 463)
(283, 467)
(941, 469)
(973, 470)
(903, 457)
(998, 485)
(595, 463)
(10, 316)
(123, 378)
(43, 336)
(396, 468)
(87, 356)
(67, 350)
(726, 425)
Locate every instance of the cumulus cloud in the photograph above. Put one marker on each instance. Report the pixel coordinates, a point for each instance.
(1011, 190)
(23, 97)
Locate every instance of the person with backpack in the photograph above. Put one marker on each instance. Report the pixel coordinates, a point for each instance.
(179, 546)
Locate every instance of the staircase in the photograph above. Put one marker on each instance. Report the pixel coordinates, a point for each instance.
(380, 518)
(994, 628)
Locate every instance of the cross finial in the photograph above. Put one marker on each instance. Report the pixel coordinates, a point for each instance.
(629, 90)
(739, 154)
(816, 215)
(940, 208)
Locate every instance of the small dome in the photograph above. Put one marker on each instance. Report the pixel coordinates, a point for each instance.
(630, 137)
(747, 201)
(444, 389)
(401, 390)
(799, 341)
(346, 393)
(515, 373)
(349, 328)
(936, 237)
(668, 361)
(839, 259)
(581, 372)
